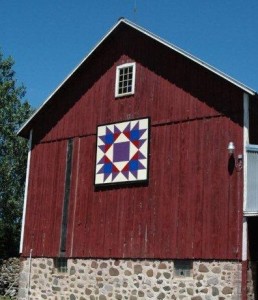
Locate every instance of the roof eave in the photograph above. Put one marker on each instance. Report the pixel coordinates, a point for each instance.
(22, 129)
(193, 58)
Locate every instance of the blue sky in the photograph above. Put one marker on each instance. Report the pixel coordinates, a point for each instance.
(49, 38)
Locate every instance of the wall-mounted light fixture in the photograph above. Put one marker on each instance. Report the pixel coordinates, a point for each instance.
(239, 161)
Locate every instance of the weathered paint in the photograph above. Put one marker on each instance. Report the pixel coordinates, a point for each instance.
(183, 204)
(45, 199)
(192, 205)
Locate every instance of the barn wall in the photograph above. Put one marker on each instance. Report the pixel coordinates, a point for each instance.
(192, 205)
(183, 204)
(189, 209)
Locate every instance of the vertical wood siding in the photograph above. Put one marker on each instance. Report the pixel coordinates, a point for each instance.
(192, 205)
(189, 209)
(181, 213)
(45, 199)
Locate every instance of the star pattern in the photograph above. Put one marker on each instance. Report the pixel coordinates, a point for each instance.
(122, 152)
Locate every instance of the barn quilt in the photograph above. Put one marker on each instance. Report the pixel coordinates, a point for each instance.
(122, 152)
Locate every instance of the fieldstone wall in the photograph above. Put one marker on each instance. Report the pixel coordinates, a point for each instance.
(9, 277)
(129, 279)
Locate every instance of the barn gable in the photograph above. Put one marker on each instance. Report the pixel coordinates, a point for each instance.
(122, 35)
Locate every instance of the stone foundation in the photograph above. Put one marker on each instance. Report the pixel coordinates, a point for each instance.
(128, 279)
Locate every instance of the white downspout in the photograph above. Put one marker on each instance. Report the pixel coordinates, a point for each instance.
(245, 224)
(25, 193)
(244, 245)
(245, 143)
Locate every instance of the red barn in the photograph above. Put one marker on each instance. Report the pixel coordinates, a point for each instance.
(141, 179)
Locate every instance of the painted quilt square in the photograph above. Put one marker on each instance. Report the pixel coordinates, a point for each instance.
(122, 152)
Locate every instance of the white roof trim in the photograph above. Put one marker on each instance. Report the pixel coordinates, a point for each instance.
(193, 58)
(158, 39)
(63, 82)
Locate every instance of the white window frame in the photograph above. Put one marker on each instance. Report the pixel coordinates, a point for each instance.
(118, 68)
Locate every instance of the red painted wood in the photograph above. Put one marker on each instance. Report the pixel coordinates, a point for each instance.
(185, 208)
(44, 209)
(191, 205)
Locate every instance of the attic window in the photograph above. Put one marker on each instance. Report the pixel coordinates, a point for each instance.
(125, 80)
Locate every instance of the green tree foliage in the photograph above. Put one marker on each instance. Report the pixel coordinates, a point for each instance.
(13, 157)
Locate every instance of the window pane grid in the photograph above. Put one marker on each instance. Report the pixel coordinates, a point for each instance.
(60, 265)
(183, 268)
(125, 80)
